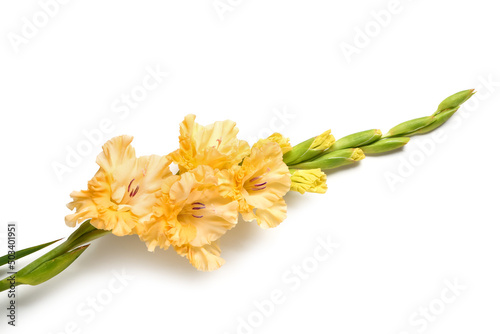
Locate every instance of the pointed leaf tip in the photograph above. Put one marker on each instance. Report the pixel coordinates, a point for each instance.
(27, 251)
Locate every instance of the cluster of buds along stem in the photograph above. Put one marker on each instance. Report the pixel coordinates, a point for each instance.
(426, 124)
(323, 152)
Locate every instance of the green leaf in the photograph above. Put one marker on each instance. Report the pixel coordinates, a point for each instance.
(51, 268)
(27, 251)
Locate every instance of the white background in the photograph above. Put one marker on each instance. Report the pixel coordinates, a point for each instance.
(399, 244)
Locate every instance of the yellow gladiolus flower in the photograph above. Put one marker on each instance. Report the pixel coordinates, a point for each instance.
(277, 138)
(309, 180)
(259, 185)
(191, 215)
(122, 193)
(214, 145)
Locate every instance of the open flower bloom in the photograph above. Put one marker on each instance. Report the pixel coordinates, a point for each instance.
(122, 193)
(259, 185)
(191, 215)
(214, 145)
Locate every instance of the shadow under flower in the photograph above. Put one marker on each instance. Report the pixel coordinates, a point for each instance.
(114, 253)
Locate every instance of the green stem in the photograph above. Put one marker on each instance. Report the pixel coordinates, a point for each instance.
(5, 285)
(373, 142)
(84, 234)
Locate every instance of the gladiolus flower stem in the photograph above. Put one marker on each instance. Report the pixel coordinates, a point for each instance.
(58, 259)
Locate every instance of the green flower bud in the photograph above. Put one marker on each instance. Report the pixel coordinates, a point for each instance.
(297, 151)
(333, 159)
(356, 140)
(408, 127)
(454, 101)
(385, 145)
(309, 149)
(440, 119)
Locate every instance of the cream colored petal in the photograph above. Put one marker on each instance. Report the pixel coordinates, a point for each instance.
(85, 208)
(200, 176)
(124, 191)
(118, 193)
(219, 215)
(273, 216)
(214, 145)
(151, 172)
(155, 233)
(248, 216)
(117, 157)
(118, 222)
(277, 185)
(270, 179)
(180, 191)
(217, 135)
(181, 232)
(227, 183)
(278, 138)
(206, 258)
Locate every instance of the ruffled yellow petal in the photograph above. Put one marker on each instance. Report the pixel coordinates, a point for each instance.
(191, 212)
(259, 185)
(201, 177)
(272, 216)
(85, 208)
(151, 170)
(214, 145)
(119, 222)
(206, 258)
(117, 157)
(155, 231)
(181, 233)
(121, 195)
(267, 178)
(278, 138)
(219, 215)
(203, 207)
